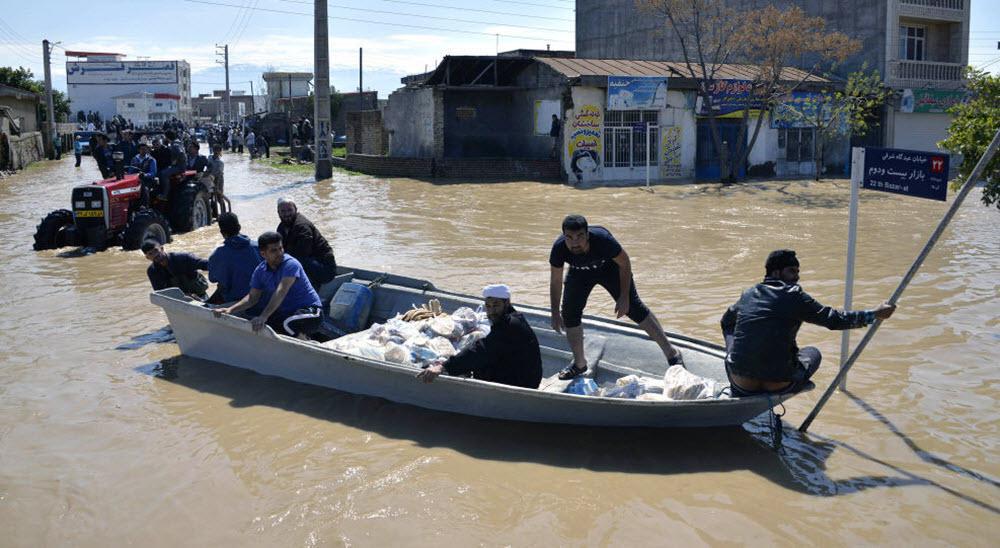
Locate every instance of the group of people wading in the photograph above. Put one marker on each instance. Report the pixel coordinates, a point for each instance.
(273, 282)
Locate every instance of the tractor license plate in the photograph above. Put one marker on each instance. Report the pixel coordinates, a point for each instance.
(90, 213)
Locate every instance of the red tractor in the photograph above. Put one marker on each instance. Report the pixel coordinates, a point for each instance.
(125, 209)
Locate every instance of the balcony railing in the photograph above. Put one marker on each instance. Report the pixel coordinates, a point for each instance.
(946, 4)
(926, 70)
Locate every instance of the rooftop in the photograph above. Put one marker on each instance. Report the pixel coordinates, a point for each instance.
(576, 68)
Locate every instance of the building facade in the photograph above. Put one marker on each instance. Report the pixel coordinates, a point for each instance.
(211, 107)
(146, 109)
(94, 80)
(20, 128)
(288, 92)
(919, 46)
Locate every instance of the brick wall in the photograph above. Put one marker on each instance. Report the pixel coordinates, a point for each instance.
(455, 168)
(366, 134)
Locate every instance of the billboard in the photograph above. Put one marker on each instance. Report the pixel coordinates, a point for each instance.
(930, 100)
(730, 96)
(637, 92)
(123, 72)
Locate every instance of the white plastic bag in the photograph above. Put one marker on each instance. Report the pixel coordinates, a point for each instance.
(397, 353)
(681, 384)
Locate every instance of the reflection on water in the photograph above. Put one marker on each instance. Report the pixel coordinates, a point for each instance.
(97, 448)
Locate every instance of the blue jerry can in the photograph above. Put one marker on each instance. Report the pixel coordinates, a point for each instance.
(350, 307)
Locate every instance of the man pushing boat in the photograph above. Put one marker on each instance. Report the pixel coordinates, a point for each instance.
(761, 352)
(595, 258)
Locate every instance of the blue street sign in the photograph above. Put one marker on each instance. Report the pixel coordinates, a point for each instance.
(909, 172)
(640, 126)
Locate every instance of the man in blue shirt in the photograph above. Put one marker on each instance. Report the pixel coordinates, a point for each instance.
(293, 306)
(595, 258)
(232, 264)
(143, 162)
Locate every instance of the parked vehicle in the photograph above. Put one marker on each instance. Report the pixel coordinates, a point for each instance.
(125, 210)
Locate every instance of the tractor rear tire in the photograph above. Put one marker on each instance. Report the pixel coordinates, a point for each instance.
(191, 209)
(146, 224)
(51, 232)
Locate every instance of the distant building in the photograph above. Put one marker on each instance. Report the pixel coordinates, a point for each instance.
(288, 92)
(94, 80)
(145, 109)
(212, 107)
(354, 102)
(920, 47)
(20, 138)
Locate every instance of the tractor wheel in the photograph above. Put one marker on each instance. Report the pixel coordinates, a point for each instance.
(51, 232)
(146, 224)
(191, 209)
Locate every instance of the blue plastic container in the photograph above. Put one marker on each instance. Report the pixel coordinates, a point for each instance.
(351, 306)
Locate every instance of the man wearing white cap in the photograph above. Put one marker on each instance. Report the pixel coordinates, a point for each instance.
(508, 355)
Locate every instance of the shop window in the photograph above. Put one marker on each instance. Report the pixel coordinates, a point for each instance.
(797, 144)
(912, 45)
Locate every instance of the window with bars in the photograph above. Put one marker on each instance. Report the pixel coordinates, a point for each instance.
(912, 45)
(625, 135)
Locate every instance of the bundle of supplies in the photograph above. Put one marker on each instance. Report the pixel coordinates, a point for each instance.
(419, 337)
(677, 384)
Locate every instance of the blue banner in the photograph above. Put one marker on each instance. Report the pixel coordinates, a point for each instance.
(729, 96)
(637, 92)
(909, 172)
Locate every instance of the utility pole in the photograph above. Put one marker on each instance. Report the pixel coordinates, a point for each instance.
(321, 106)
(228, 109)
(253, 102)
(50, 118)
(361, 64)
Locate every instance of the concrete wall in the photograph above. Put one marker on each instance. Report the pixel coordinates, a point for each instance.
(617, 29)
(678, 137)
(16, 152)
(454, 168)
(353, 102)
(365, 133)
(488, 123)
(409, 120)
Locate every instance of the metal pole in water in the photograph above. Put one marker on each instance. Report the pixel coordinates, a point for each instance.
(966, 188)
(857, 175)
(647, 155)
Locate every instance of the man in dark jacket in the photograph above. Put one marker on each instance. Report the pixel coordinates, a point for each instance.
(232, 264)
(175, 270)
(508, 355)
(102, 155)
(127, 146)
(760, 329)
(178, 163)
(303, 241)
(195, 161)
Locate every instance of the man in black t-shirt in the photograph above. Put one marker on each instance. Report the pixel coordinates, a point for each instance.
(595, 258)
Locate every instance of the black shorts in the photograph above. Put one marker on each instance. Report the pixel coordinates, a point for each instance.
(304, 320)
(579, 284)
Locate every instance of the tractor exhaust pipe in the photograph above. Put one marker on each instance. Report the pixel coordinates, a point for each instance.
(118, 157)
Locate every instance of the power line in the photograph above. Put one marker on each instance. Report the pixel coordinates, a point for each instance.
(246, 22)
(236, 19)
(427, 5)
(402, 25)
(19, 50)
(433, 17)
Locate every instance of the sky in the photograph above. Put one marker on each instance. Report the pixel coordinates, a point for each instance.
(399, 37)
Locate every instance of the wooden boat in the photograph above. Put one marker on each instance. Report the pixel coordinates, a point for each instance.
(627, 350)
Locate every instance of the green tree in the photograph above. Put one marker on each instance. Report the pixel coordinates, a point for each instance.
(23, 78)
(834, 112)
(976, 122)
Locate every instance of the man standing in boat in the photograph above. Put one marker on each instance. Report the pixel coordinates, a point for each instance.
(508, 355)
(760, 329)
(293, 306)
(595, 258)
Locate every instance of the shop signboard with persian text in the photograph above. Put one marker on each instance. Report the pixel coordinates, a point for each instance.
(131, 72)
(637, 92)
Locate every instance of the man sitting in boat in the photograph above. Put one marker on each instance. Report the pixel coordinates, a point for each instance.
(293, 306)
(303, 241)
(595, 258)
(761, 352)
(508, 355)
(233, 263)
(174, 269)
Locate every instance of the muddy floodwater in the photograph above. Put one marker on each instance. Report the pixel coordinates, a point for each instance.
(108, 437)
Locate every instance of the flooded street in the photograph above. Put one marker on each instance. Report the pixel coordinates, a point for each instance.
(107, 437)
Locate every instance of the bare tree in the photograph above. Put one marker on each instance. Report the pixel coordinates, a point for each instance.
(771, 41)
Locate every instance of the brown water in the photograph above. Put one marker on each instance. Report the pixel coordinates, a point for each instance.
(110, 446)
